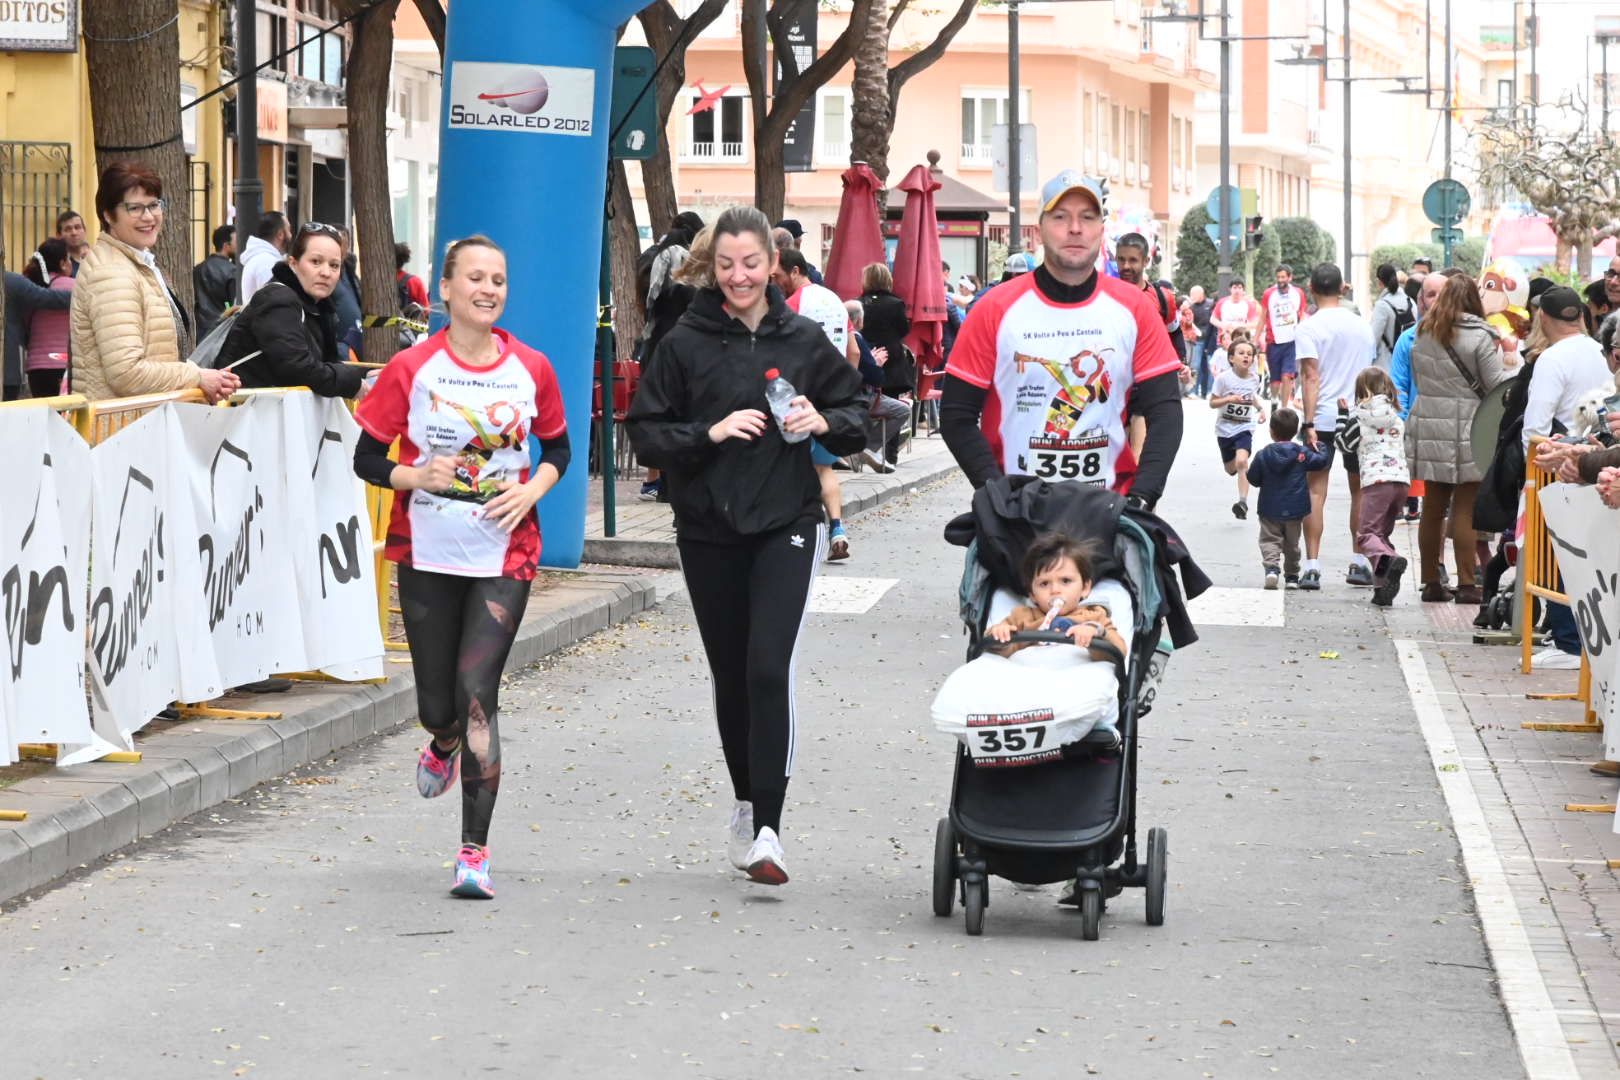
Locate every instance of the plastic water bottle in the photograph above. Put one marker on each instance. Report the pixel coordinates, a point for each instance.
(780, 393)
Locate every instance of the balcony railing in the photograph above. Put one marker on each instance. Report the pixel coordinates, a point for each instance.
(710, 151)
(976, 154)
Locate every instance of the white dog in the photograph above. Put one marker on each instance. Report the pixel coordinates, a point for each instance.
(1586, 410)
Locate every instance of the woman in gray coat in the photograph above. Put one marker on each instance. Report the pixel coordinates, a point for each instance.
(1456, 359)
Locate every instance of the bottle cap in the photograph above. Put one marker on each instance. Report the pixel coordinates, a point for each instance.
(772, 374)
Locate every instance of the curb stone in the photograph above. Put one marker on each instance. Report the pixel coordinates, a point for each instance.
(79, 814)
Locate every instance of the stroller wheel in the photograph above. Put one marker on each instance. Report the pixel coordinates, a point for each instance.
(1157, 849)
(944, 868)
(1091, 908)
(973, 897)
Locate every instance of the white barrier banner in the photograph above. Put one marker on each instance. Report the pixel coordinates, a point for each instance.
(331, 541)
(44, 572)
(1586, 543)
(138, 593)
(232, 462)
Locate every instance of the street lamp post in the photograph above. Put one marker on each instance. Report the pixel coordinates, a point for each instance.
(1224, 271)
(1015, 142)
(247, 187)
(1349, 250)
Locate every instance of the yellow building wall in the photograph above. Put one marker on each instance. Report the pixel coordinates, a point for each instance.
(45, 97)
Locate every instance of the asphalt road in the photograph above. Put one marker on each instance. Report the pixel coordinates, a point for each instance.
(1318, 921)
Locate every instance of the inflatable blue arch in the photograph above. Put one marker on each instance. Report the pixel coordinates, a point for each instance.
(523, 159)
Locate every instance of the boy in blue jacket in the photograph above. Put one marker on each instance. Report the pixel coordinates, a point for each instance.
(1278, 471)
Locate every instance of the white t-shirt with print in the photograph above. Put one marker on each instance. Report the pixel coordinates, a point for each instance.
(1234, 418)
(1342, 344)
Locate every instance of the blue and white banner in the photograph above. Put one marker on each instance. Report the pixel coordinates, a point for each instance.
(1586, 543)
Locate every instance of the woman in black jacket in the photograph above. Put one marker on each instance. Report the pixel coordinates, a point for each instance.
(747, 504)
(886, 328)
(291, 322)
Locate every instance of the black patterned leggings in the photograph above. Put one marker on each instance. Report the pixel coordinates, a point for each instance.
(460, 630)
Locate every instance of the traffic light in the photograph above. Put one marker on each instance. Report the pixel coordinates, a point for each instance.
(1253, 232)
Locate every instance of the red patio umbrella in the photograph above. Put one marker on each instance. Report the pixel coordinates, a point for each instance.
(858, 241)
(917, 277)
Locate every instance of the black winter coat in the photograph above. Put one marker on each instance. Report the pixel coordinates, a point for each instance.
(886, 327)
(295, 338)
(710, 366)
(214, 282)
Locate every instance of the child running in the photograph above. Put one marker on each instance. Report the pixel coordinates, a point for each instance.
(1236, 394)
(1384, 479)
(1057, 576)
(1279, 471)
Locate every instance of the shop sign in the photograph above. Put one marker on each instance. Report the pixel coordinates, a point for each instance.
(39, 25)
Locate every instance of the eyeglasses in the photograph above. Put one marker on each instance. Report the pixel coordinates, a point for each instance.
(151, 209)
(1611, 273)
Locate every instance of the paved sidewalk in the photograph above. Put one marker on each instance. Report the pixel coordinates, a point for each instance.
(1557, 861)
(79, 814)
(645, 533)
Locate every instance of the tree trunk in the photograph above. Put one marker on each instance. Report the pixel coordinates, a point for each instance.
(770, 178)
(872, 123)
(433, 15)
(130, 47)
(628, 316)
(371, 58)
(664, 30)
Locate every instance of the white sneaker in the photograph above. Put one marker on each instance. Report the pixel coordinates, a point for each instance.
(741, 835)
(766, 863)
(1552, 658)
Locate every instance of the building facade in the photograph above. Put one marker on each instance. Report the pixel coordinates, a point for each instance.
(47, 157)
(1108, 91)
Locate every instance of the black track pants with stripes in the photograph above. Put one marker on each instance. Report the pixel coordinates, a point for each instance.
(749, 601)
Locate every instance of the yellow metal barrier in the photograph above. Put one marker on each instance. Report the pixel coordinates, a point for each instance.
(1538, 568)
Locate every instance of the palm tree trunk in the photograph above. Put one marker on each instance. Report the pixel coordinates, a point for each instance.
(871, 124)
(129, 47)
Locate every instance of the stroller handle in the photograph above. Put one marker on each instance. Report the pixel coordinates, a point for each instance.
(1040, 637)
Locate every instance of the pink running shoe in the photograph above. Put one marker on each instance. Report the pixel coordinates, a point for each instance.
(472, 874)
(434, 774)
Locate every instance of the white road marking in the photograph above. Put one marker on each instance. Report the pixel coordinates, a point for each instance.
(1542, 1044)
(835, 594)
(1221, 605)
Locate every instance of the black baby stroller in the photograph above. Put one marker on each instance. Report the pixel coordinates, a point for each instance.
(1072, 816)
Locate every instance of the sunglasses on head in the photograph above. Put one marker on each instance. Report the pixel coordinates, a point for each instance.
(322, 228)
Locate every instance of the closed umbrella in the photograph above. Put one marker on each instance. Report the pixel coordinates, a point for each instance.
(858, 241)
(917, 277)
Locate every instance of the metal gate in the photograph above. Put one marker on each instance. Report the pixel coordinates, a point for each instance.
(202, 200)
(36, 184)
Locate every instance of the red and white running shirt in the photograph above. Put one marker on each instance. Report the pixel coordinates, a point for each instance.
(1284, 313)
(1058, 376)
(436, 405)
(822, 304)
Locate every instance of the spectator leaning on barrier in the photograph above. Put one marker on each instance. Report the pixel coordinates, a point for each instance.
(264, 249)
(346, 295)
(291, 322)
(126, 325)
(214, 281)
(23, 299)
(48, 341)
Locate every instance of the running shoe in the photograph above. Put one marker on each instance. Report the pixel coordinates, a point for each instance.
(1553, 658)
(651, 490)
(766, 863)
(472, 874)
(1359, 574)
(1384, 595)
(434, 774)
(1291, 582)
(1240, 510)
(1311, 580)
(837, 545)
(740, 837)
(1272, 578)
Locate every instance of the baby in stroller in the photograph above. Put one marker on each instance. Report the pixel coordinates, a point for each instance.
(1057, 574)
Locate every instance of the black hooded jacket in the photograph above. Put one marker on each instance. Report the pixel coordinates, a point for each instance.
(709, 366)
(295, 338)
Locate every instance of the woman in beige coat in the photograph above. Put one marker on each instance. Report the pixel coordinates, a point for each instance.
(1456, 360)
(124, 322)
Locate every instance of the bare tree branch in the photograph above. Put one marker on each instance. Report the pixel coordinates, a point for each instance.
(926, 57)
(433, 14)
(898, 10)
